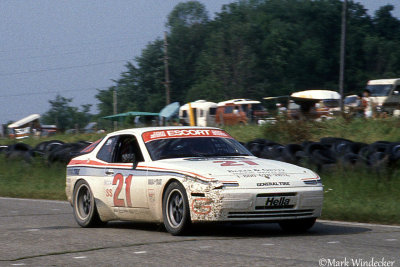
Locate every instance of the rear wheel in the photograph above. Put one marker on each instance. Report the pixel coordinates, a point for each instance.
(176, 213)
(84, 206)
(298, 225)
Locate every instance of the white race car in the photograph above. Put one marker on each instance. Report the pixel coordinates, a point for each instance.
(183, 175)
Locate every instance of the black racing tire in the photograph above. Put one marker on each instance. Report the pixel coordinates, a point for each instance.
(341, 148)
(349, 160)
(355, 147)
(332, 140)
(297, 225)
(309, 148)
(255, 149)
(3, 149)
(379, 146)
(289, 153)
(84, 206)
(272, 152)
(378, 160)
(320, 157)
(175, 207)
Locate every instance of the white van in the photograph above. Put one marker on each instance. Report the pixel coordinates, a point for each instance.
(385, 94)
(203, 111)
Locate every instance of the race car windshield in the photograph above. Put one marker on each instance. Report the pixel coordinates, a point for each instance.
(195, 147)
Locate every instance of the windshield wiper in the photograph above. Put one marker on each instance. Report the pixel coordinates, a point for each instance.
(226, 155)
(172, 156)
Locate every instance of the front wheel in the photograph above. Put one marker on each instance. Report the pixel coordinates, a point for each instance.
(84, 206)
(298, 225)
(176, 213)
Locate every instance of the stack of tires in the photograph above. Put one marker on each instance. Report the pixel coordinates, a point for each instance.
(54, 151)
(330, 152)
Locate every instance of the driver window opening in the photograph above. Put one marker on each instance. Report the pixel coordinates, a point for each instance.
(127, 150)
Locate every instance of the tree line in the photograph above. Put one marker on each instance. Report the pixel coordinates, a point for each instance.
(258, 48)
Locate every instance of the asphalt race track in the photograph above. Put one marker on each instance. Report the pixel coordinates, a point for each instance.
(44, 233)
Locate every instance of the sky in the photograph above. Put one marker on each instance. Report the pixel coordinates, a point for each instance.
(74, 47)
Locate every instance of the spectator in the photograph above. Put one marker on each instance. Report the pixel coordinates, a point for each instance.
(367, 103)
(281, 109)
(359, 108)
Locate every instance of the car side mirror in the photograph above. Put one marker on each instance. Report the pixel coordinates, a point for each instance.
(134, 161)
(396, 92)
(134, 165)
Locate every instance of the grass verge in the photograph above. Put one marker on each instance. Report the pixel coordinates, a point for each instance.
(361, 196)
(35, 180)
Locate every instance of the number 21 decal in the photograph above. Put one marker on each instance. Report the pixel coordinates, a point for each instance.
(119, 181)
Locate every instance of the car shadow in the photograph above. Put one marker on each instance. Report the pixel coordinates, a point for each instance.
(247, 230)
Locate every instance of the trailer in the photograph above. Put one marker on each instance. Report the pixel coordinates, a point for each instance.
(203, 113)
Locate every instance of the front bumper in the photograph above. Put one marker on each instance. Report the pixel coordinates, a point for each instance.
(271, 204)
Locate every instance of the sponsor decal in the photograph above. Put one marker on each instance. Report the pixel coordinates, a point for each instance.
(201, 205)
(273, 202)
(158, 134)
(258, 172)
(273, 183)
(219, 133)
(154, 135)
(109, 193)
(154, 181)
(188, 133)
(151, 194)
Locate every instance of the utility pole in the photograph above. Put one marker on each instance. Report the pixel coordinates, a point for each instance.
(342, 54)
(167, 82)
(115, 106)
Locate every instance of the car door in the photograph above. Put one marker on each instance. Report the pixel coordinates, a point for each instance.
(125, 186)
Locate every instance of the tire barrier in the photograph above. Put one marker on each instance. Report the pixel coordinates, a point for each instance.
(329, 153)
(53, 151)
(19, 151)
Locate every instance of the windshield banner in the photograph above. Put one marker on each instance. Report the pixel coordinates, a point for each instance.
(179, 133)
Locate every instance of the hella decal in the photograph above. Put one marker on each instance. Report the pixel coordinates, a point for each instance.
(273, 202)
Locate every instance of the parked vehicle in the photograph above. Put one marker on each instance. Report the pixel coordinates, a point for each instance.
(313, 104)
(240, 111)
(24, 127)
(385, 94)
(203, 112)
(230, 114)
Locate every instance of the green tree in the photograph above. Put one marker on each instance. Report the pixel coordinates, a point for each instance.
(187, 25)
(385, 24)
(139, 88)
(257, 48)
(187, 14)
(65, 116)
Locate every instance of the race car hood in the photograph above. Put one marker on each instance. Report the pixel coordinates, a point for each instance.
(246, 172)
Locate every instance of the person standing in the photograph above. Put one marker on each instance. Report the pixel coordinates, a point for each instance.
(367, 103)
(359, 108)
